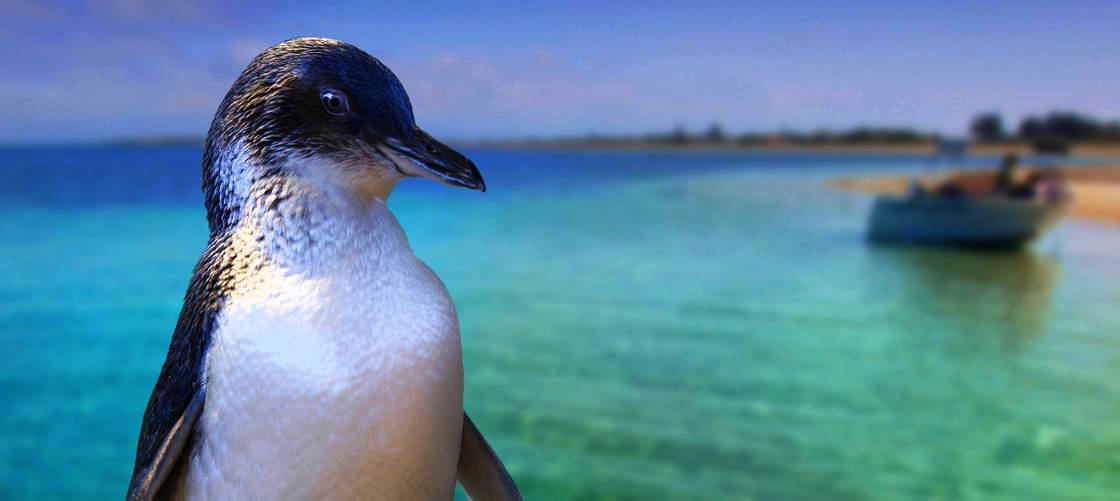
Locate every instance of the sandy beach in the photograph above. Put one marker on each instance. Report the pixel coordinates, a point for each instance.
(1096, 190)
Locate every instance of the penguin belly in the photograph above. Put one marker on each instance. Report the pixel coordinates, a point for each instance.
(345, 386)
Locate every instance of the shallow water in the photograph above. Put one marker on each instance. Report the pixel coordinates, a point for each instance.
(635, 325)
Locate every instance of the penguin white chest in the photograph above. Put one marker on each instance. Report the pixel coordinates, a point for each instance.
(344, 385)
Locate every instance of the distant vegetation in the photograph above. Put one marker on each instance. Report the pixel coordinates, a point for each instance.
(716, 136)
(1053, 133)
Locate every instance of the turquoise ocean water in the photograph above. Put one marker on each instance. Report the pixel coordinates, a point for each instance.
(635, 326)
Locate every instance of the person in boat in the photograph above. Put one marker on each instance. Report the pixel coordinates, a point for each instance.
(1053, 186)
(1005, 179)
(1028, 189)
(1042, 185)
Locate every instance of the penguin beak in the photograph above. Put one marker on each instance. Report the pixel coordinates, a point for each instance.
(423, 156)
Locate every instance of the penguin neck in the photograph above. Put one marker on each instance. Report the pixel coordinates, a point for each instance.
(231, 173)
(315, 225)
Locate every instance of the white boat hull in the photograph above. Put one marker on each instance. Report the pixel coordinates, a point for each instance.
(962, 222)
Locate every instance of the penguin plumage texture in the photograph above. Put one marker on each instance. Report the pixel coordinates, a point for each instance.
(315, 356)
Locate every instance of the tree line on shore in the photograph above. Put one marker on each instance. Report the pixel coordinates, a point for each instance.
(1053, 131)
(715, 135)
(1069, 126)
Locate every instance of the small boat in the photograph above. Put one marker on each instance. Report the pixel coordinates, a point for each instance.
(988, 223)
(989, 210)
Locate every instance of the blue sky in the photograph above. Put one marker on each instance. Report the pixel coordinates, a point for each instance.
(77, 71)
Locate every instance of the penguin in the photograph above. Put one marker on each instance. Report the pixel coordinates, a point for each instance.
(315, 356)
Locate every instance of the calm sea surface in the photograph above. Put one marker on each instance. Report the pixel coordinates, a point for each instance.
(635, 326)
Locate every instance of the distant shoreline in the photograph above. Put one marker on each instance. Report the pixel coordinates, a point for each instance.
(698, 147)
(917, 148)
(560, 145)
(157, 141)
(1093, 149)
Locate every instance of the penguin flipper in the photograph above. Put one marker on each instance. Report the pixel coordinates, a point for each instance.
(146, 483)
(168, 427)
(481, 473)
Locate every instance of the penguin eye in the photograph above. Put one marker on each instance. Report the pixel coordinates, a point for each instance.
(334, 102)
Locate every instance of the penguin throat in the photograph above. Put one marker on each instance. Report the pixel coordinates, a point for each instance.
(367, 179)
(314, 225)
(231, 177)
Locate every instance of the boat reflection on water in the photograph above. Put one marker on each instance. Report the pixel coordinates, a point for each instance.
(997, 300)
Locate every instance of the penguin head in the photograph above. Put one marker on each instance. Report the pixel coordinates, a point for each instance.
(323, 109)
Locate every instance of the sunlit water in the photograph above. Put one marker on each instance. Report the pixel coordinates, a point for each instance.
(635, 326)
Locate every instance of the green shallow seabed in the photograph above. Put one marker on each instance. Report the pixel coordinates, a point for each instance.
(718, 336)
